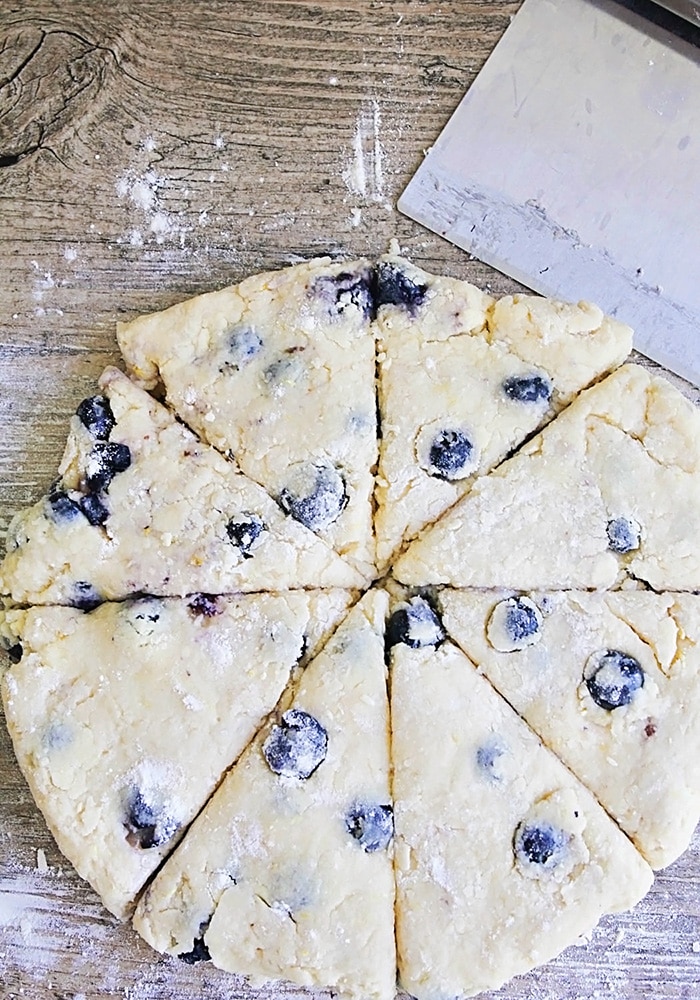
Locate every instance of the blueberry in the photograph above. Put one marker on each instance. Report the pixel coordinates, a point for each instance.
(623, 535)
(539, 844)
(416, 624)
(372, 826)
(15, 652)
(284, 371)
(348, 289)
(96, 414)
(199, 953)
(514, 624)
(450, 454)
(613, 678)
(94, 508)
(61, 507)
(205, 604)
(106, 459)
(528, 388)
(147, 825)
(244, 344)
(487, 757)
(315, 495)
(296, 746)
(84, 596)
(244, 532)
(394, 288)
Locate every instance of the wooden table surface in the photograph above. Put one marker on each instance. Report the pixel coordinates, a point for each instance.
(152, 150)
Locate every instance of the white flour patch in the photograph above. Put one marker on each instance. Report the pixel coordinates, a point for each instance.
(364, 170)
(144, 193)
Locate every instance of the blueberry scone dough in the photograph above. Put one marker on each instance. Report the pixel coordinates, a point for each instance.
(463, 380)
(142, 506)
(503, 858)
(279, 371)
(609, 491)
(287, 874)
(123, 720)
(621, 705)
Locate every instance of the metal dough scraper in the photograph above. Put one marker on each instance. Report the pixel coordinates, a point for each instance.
(573, 165)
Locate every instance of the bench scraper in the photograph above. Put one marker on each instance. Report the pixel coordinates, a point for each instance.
(573, 165)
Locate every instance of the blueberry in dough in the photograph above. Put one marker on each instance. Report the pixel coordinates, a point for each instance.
(514, 624)
(623, 535)
(449, 454)
(199, 953)
(147, 825)
(522, 619)
(393, 287)
(61, 507)
(296, 746)
(487, 757)
(539, 844)
(315, 495)
(244, 344)
(528, 388)
(206, 605)
(94, 508)
(372, 826)
(244, 531)
(348, 289)
(96, 414)
(106, 459)
(613, 678)
(84, 596)
(416, 625)
(15, 652)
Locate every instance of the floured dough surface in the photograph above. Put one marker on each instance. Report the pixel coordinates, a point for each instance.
(149, 509)
(464, 380)
(279, 371)
(611, 682)
(502, 858)
(124, 719)
(610, 490)
(287, 874)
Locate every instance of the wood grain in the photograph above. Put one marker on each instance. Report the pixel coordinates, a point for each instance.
(150, 151)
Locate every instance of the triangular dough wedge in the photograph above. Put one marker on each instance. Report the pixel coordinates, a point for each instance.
(503, 858)
(610, 489)
(279, 371)
(177, 519)
(464, 380)
(123, 720)
(611, 682)
(290, 877)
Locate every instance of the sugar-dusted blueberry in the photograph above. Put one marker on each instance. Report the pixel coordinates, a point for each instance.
(61, 507)
(96, 414)
(199, 953)
(244, 344)
(528, 388)
(394, 287)
(296, 746)
(245, 532)
(624, 535)
(446, 452)
(349, 289)
(106, 459)
(489, 760)
(206, 605)
(416, 624)
(514, 624)
(148, 824)
(84, 596)
(371, 825)
(613, 678)
(315, 495)
(94, 508)
(539, 844)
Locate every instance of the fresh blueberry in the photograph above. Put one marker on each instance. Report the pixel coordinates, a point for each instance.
(61, 507)
(84, 596)
(244, 344)
(416, 625)
(348, 289)
(199, 953)
(147, 825)
(623, 535)
(106, 459)
(315, 495)
(244, 532)
(372, 826)
(393, 287)
(539, 844)
(528, 388)
(96, 414)
(522, 619)
(206, 605)
(296, 746)
(94, 508)
(613, 678)
(15, 652)
(450, 454)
